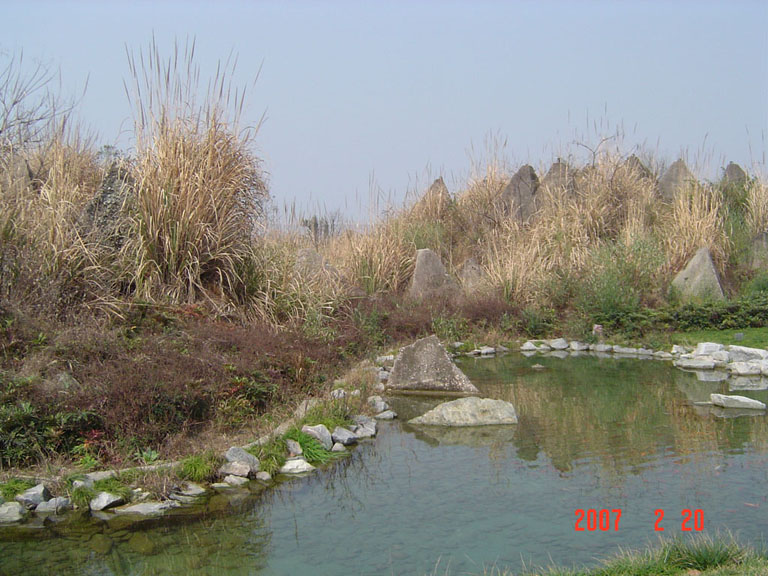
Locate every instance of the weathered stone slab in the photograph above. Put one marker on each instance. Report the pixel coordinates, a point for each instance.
(344, 436)
(235, 469)
(753, 368)
(518, 198)
(472, 411)
(425, 366)
(558, 344)
(736, 402)
(320, 433)
(430, 277)
(701, 363)
(676, 178)
(699, 279)
(746, 354)
(707, 348)
(472, 276)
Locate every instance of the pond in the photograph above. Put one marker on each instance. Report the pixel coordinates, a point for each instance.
(622, 436)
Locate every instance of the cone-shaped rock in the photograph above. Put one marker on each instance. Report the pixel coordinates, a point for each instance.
(699, 279)
(430, 277)
(425, 366)
(676, 178)
(519, 196)
(734, 174)
(559, 177)
(435, 203)
(634, 166)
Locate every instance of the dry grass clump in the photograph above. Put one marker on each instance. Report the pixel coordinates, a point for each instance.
(199, 188)
(756, 206)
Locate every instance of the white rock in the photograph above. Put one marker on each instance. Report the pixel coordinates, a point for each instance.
(695, 363)
(602, 348)
(338, 394)
(386, 360)
(644, 352)
(264, 477)
(707, 348)
(625, 350)
(386, 415)
(721, 357)
(296, 466)
(677, 350)
(487, 351)
(472, 411)
(294, 448)
(744, 354)
(377, 403)
(235, 469)
(339, 447)
(238, 454)
(383, 375)
(320, 433)
(558, 344)
(577, 346)
(663, 355)
(736, 402)
(745, 368)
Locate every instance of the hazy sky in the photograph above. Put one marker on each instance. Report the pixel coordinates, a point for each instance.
(385, 95)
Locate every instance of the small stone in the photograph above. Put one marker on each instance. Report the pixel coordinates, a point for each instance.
(383, 375)
(487, 351)
(148, 508)
(192, 489)
(339, 447)
(601, 348)
(537, 367)
(218, 486)
(264, 477)
(235, 480)
(377, 404)
(294, 448)
(385, 360)
(84, 483)
(320, 433)
(106, 500)
(578, 346)
(100, 475)
(386, 415)
(707, 348)
(344, 436)
(677, 350)
(625, 350)
(338, 394)
(529, 347)
(296, 466)
(34, 496)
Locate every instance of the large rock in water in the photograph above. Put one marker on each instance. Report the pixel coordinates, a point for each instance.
(699, 279)
(736, 402)
(430, 277)
(425, 366)
(471, 411)
(676, 178)
(518, 197)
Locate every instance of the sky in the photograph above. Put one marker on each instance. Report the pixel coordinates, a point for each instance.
(364, 103)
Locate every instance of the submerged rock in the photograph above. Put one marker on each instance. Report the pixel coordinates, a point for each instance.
(736, 402)
(472, 411)
(425, 366)
(148, 508)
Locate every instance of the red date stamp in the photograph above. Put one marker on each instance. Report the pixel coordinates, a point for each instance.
(608, 519)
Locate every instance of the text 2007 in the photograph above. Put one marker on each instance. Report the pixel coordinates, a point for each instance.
(605, 520)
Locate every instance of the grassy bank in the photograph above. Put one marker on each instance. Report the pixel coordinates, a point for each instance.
(148, 309)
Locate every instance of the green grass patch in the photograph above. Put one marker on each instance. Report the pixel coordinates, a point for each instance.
(314, 452)
(82, 496)
(271, 455)
(14, 486)
(115, 485)
(199, 467)
(330, 414)
(752, 337)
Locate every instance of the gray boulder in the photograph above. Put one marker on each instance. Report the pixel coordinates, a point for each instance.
(104, 500)
(386, 415)
(430, 277)
(54, 506)
(235, 481)
(235, 469)
(700, 363)
(425, 366)
(344, 436)
(12, 512)
(237, 454)
(676, 178)
(377, 404)
(736, 402)
(435, 203)
(294, 448)
(263, 476)
(734, 174)
(707, 348)
(320, 433)
(699, 279)
(472, 411)
(34, 496)
(746, 354)
(519, 196)
(635, 168)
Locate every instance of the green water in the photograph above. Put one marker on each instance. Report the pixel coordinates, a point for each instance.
(593, 434)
